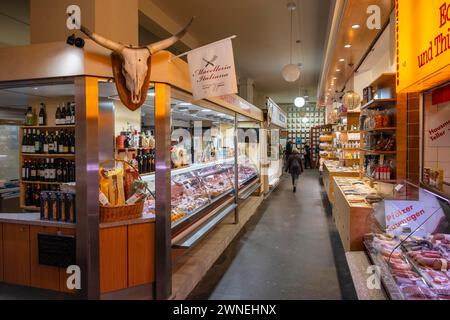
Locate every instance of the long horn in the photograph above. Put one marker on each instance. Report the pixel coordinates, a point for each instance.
(108, 44)
(164, 44)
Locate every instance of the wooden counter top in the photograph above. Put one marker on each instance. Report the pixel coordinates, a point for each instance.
(33, 219)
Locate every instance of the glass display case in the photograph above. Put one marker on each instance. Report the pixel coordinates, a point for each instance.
(410, 244)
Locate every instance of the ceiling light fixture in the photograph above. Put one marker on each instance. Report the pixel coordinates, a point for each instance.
(184, 104)
(300, 102)
(291, 72)
(151, 94)
(356, 26)
(341, 60)
(338, 70)
(305, 120)
(348, 46)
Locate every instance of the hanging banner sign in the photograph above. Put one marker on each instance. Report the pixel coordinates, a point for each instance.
(422, 43)
(212, 70)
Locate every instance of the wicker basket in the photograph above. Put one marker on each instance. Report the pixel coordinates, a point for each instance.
(120, 213)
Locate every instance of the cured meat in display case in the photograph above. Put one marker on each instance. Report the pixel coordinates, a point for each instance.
(413, 252)
(197, 190)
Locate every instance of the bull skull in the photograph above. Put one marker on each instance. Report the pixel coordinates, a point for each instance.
(135, 63)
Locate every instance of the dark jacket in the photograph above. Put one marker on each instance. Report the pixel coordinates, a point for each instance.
(294, 164)
(289, 147)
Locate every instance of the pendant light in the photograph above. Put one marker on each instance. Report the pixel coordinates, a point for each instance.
(291, 72)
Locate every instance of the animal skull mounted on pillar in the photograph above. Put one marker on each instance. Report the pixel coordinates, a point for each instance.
(132, 65)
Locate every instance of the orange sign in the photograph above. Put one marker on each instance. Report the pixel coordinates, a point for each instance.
(423, 43)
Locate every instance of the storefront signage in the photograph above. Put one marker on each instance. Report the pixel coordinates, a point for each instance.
(423, 40)
(276, 116)
(438, 128)
(56, 251)
(212, 70)
(407, 216)
(401, 214)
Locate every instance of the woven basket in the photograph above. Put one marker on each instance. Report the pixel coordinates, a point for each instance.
(120, 213)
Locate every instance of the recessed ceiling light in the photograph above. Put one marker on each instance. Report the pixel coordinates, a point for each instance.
(206, 110)
(356, 26)
(348, 46)
(338, 70)
(35, 88)
(341, 60)
(185, 104)
(334, 78)
(151, 94)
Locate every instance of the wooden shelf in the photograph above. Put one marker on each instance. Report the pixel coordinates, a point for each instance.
(383, 79)
(43, 182)
(45, 155)
(381, 129)
(72, 126)
(376, 152)
(380, 103)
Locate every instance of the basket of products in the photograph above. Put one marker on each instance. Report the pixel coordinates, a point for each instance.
(122, 192)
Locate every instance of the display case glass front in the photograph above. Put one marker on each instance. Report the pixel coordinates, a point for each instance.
(410, 243)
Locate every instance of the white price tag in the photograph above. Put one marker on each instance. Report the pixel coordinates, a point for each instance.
(399, 187)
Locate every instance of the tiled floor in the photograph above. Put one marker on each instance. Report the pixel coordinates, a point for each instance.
(289, 250)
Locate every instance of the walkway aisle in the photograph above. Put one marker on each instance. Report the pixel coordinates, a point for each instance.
(290, 250)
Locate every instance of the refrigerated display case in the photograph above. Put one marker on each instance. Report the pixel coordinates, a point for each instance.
(410, 243)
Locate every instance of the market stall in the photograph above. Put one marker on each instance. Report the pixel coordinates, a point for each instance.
(194, 182)
(275, 123)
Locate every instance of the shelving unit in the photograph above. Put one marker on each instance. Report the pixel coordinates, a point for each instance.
(51, 107)
(384, 93)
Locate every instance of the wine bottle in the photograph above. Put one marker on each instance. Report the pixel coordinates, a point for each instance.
(65, 172)
(28, 196)
(51, 145)
(31, 145)
(56, 142)
(47, 170)
(24, 141)
(33, 171)
(73, 113)
(58, 116)
(72, 177)
(66, 143)
(52, 170)
(59, 171)
(29, 117)
(42, 115)
(41, 171)
(72, 143)
(61, 142)
(45, 143)
(68, 114)
(37, 142)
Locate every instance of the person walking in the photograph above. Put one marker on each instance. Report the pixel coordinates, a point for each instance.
(294, 167)
(288, 151)
(307, 157)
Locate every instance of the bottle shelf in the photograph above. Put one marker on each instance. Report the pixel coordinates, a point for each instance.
(376, 152)
(72, 126)
(380, 129)
(379, 103)
(46, 155)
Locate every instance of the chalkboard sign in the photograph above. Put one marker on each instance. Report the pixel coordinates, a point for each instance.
(56, 251)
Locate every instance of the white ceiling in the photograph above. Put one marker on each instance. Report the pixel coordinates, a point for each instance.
(261, 49)
(262, 46)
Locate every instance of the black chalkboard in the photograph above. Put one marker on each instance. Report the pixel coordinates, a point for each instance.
(56, 251)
